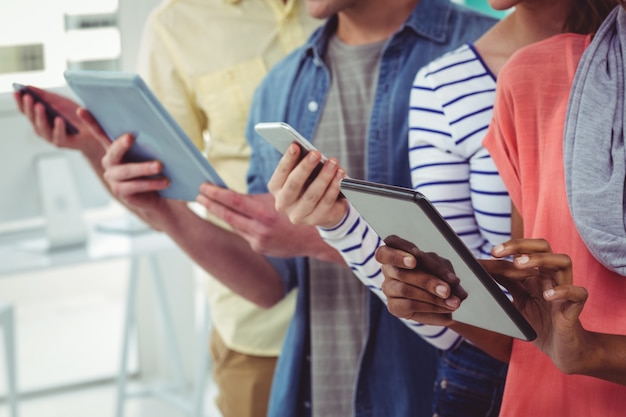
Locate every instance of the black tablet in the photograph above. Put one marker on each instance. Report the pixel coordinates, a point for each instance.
(408, 214)
(121, 102)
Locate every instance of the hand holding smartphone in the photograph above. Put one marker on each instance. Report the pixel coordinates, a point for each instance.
(281, 135)
(51, 113)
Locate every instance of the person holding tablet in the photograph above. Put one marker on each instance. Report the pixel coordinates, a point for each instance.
(575, 301)
(203, 60)
(331, 364)
(451, 107)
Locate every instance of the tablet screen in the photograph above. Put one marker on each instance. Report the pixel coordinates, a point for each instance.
(408, 214)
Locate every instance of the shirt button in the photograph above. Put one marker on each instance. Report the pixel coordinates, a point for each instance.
(313, 106)
(307, 404)
(443, 384)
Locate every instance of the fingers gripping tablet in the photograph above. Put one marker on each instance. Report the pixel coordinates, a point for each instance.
(407, 214)
(121, 102)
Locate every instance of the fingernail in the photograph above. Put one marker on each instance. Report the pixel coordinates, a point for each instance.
(407, 261)
(452, 302)
(441, 291)
(498, 249)
(522, 260)
(312, 157)
(549, 293)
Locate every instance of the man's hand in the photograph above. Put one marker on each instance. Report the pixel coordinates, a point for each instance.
(254, 217)
(306, 193)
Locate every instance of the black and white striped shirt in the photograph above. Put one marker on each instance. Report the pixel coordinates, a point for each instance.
(450, 110)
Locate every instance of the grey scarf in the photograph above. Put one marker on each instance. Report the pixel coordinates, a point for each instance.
(595, 157)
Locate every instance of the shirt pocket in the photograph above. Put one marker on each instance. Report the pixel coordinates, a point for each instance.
(225, 97)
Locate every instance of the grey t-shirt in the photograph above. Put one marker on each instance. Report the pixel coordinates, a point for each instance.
(339, 302)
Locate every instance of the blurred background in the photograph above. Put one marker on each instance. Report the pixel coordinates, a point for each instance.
(83, 335)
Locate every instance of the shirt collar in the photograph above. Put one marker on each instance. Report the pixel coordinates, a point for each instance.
(430, 19)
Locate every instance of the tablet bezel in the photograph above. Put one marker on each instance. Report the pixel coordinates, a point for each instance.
(391, 210)
(157, 135)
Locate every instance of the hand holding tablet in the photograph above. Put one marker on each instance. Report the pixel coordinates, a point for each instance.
(410, 217)
(121, 102)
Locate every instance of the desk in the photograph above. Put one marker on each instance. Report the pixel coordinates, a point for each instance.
(24, 252)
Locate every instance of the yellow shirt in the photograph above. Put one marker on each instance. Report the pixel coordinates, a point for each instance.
(204, 59)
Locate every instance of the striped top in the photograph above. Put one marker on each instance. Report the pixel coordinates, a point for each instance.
(451, 107)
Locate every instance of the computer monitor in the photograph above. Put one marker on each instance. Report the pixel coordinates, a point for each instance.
(34, 176)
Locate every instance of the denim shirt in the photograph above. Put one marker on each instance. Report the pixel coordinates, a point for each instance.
(397, 367)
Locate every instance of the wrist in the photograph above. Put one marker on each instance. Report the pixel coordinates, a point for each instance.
(163, 216)
(337, 221)
(592, 357)
(93, 154)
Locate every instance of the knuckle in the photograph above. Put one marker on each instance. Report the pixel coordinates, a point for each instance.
(544, 243)
(280, 206)
(116, 188)
(312, 196)
(293, 188)
(237, 202)
(296, 218)
(585, 293)
(395, 307)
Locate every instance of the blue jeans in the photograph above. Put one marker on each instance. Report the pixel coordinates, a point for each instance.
(469, 383)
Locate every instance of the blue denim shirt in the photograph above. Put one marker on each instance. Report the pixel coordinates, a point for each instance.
(397, 368)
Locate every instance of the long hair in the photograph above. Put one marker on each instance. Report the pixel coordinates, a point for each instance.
(588, 15)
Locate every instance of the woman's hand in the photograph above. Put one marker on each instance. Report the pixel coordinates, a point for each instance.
(419, 286)
(548, 299)
(55, 134)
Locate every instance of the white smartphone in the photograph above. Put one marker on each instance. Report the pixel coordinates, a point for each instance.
(281, 135)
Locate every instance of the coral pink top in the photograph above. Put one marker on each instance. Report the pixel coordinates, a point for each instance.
(525, 140)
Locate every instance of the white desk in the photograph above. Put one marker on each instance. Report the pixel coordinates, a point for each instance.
(24, 252)
(172, 280)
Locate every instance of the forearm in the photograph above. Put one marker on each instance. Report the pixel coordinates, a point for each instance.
(603, 357)
(324, 252)
(93, 153)
(223, 254)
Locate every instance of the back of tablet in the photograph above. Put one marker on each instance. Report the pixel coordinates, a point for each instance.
(408, 214)
(121, 102)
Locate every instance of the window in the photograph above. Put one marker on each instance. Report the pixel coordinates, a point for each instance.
(59, 35)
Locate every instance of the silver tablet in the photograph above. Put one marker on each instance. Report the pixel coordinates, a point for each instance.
(121, 102)
(408, 214)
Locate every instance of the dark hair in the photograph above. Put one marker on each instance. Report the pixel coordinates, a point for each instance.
(588, 15)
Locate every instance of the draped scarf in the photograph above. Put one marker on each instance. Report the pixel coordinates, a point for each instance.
(594, 153)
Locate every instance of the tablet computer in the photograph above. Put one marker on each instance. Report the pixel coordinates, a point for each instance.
(408, 214)
(121, 102)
